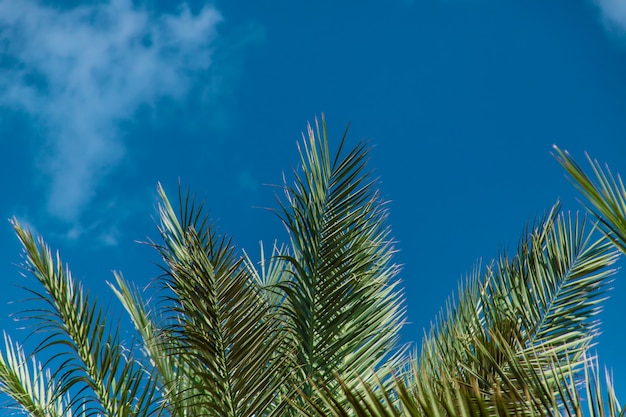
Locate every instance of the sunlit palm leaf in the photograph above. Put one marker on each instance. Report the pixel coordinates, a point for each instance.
(31, 388)
(606, 196)
(93, 361)
(176, 384)
(342, 301)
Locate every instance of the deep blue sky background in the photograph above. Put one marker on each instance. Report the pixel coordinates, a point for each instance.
(461, 101)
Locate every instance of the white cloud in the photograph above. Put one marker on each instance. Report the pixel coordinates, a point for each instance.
(614, 15)
(80, 72)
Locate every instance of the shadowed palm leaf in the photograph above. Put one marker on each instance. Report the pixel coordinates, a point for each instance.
(221, 330)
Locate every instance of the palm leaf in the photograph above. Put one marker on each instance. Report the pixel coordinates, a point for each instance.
(269, 273)
(514, 344)
(31, 388)
(606, 196)
(92, 359)
(574, 396)
(527, 314)
(175, 383)
(222, 330)
(342, 303)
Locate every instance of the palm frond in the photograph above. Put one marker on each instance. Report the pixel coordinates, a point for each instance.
(416, 394)
(606, 196)
(31, 388)
(175, 383)
(270, 272)
(223, 331)
(343, 305)
(93, 360)
(536, 309)
(363, 398)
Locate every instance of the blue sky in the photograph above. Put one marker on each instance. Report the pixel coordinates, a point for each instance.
(461, 101)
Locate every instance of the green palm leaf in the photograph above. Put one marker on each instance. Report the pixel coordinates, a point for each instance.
(514, 344)
(342, 303)
(31, 388)
(538, 307)
(606, 196)
(175, 383)
(92, 359)
(221, 330)
(312, 329)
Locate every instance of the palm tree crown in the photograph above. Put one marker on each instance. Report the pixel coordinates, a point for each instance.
(313, 328)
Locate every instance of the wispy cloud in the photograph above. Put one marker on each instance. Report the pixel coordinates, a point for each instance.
(614, 15)
(80, 72)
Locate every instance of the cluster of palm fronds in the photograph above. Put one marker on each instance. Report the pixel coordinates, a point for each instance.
(313, 328)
